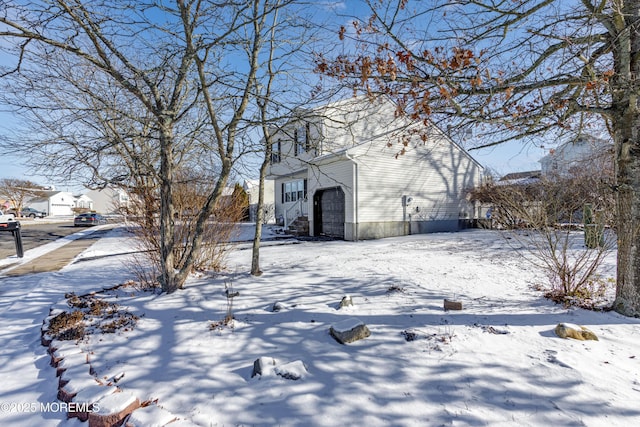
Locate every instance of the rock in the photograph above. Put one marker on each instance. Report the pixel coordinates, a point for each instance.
(578, 332)
(148, 416)
(292, 370)
(346, 302)
(263, 366)
(113, 409)
(72, 387)
(452, 305)
(278, 306)
(87, 397)
(349, 330)
(71, 360)
(74, 372)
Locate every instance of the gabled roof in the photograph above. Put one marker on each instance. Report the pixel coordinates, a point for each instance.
(401, 128)
(521, 175)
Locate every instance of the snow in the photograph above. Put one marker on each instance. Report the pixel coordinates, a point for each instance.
(496, 362)
(347, 325)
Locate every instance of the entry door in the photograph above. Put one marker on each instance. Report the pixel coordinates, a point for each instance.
(329, 212)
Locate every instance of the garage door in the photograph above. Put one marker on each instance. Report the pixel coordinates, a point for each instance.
(328, 212)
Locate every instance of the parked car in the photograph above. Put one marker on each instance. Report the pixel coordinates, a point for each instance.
(6, 218)
(30, 213)
(89, 219)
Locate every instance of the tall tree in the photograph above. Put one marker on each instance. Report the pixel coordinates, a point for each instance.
(163, 80)
(515, 69)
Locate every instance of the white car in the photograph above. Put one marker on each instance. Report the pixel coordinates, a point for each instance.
(6, 218)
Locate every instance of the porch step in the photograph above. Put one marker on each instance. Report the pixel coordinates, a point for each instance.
(299, 227)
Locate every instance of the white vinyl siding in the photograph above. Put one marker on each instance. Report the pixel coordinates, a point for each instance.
(435, 175)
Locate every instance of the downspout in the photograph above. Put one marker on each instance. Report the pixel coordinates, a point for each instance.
(355, 195)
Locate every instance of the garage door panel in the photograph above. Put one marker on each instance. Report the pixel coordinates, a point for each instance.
(330, 212)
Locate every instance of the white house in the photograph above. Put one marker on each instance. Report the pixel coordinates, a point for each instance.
(55, 203)
(109, 200)
(83, 202)
(252, 187)
(585, 153)
(359, 172)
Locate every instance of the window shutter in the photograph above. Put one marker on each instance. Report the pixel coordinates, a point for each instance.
(282, 195)
(305, 188)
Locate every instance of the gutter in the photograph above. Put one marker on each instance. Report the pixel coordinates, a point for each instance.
(355, 193)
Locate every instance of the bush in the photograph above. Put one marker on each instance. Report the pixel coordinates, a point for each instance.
(546, 218)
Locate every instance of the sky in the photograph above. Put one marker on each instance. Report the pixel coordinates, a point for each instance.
(506, 158)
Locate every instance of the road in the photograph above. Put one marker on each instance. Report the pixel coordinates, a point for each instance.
(35, 234)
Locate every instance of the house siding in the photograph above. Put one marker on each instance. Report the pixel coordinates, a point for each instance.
(434, 174)
(356, 144)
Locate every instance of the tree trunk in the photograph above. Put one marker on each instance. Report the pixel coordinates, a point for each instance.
(167, 236)
(628, 216)
(255, 254)
(626, 127)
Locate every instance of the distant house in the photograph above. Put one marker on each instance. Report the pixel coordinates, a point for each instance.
(338, 167)
(54, 203)
(83, 202)
(251, 187)
(520, 178)
(585, 153)
(109, 200)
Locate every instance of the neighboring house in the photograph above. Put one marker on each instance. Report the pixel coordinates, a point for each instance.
(338, 165)
(520, 178)
(83, 202)
(54, 203)
(252, 188)
(109, 200)
(585, 153)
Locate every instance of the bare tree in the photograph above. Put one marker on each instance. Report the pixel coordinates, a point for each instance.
(515, 70)
(283, 86)
(162, 79)
(18, 191)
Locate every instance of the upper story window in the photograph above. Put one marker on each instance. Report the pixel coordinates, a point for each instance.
(276, 151)
(299, 136)
(302, 140)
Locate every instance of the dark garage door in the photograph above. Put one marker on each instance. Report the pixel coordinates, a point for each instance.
(328, 212)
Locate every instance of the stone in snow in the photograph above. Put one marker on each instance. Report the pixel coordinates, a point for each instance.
(292, 370)
(349, 330)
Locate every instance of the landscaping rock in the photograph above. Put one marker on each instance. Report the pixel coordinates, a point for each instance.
(78, 371)
(278, 306)
(71, 360)
(71, 388)
(263, 366)
(88, 396)
(452, 305)
(346, 302)
(292, 370)
(349, 330)
(113, 409)
(578, 332)
(149, 416)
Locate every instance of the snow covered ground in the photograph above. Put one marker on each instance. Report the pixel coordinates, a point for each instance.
(496, 362)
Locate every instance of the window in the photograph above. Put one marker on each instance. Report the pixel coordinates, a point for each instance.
(307, 137)
(294, 190)
(276, 151)
(301, 140)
